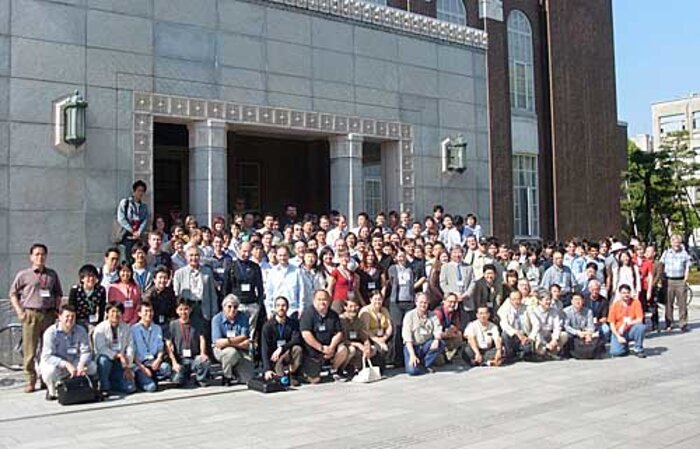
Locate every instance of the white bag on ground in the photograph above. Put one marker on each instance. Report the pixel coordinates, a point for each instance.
(368, 373)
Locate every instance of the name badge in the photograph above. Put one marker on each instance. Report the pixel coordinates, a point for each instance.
(322, 328)
(353, 335)
(44, 293)
(380, 332)
(351, 295)
(71, 350)
(281, 343)
(245, 287)
(149, 357)
(489, 304)
(371, 286)
(187, 353)
(627, 320)
(231, 334)
(93, 318)
(403, 278)
(129, 303)
(161, 318)
(219, 270)
(116, 346)
(424, 331)
(460, 283)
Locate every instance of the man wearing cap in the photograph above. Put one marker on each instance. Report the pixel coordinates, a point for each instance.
(626, 320)
(676, 267)
(611, 264)
(35, 295)
(230, 336)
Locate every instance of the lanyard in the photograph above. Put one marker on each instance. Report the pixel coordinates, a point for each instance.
(186, 334)
(42, 278)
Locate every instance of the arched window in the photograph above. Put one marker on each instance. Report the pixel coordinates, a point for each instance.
(520, 65)
(452, 11)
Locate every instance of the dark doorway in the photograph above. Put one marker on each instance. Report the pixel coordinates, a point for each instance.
(269, 172)
(170, 168)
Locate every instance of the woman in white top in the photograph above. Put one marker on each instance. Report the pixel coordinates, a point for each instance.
(626, 273)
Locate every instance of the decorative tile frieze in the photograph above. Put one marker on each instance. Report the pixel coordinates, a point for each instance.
(396, 19)
(148, 106)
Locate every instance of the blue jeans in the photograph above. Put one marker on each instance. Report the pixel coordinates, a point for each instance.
(111, 376)
(199, 366)
(425, 355)
(150, 384)
(604, 331)
(635, 333)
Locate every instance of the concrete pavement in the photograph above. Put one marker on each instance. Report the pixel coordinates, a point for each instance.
(612, 403)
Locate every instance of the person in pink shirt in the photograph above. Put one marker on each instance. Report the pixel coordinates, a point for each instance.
(126, 292)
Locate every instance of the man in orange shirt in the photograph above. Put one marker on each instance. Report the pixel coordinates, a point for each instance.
(626, 320)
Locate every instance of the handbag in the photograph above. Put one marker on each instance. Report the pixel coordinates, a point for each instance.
(368, 374)
(76, 390)
(263, 386)
(118, 231)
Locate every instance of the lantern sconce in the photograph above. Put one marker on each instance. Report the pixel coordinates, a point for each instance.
(454, 154)
(69, 123)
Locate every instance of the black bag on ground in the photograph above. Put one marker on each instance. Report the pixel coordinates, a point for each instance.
(76, 390)
(263, 386)
(587, 351)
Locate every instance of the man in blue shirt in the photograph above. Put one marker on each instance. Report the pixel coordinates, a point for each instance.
(561, 275)
(149, 351)
(65, 352)
(230, 336)
(677, 263)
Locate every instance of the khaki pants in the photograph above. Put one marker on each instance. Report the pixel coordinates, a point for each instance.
(290, 359)
(234, 361)
(676, 290)
(51, 374)
(34, 325)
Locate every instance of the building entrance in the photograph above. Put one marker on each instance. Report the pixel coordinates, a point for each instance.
(269, 172)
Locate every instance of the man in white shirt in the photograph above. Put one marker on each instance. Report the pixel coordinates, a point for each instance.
(485, 347)
(449, 235)
(285, 280)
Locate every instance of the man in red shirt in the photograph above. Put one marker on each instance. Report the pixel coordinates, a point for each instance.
(646, 295)
(626, 320)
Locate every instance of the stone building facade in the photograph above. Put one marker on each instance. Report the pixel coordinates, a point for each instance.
(366, 90)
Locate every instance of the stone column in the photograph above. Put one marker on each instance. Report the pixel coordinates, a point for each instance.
(208, 181)
(347, 183)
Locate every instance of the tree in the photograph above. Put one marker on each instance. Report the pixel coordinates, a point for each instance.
(656, 200)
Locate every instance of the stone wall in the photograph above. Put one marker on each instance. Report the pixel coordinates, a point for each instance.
(254, 52)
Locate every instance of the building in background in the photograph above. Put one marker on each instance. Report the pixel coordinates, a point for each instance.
(644, 142)
(329, 104)
(679, 115)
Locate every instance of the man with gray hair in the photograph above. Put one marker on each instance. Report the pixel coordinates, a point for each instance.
(677, 263)
(230, 336)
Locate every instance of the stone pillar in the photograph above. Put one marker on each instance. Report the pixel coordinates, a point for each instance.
(347, 183)
(208, 181)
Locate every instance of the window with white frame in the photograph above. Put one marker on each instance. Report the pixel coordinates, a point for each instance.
(451, 11)
(526, 209)
(696, 119)
(373, 195)
(377, 2)
(520, 61)
(671, 123)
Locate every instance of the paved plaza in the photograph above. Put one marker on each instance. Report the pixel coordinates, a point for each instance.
(613, 403)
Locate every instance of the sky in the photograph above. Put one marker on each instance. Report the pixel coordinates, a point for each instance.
(657, 56)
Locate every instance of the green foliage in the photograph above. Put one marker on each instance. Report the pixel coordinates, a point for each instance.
(655, 199)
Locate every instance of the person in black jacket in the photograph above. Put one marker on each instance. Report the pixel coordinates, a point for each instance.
(281, 343)
(484, 293)
(243, 278)
(162, 296)
(88, 298)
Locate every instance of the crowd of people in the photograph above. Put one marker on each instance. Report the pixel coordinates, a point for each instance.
(302, 297)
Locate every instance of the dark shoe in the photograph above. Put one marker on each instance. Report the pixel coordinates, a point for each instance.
(293, 381)
(640, 354)
(685, 328)
(669, 328)
(104, 394)
(203, 383)
(50, 397)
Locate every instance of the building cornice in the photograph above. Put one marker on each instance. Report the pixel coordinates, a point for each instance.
(393, 19)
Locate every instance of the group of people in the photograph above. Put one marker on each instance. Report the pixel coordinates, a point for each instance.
(298, 297)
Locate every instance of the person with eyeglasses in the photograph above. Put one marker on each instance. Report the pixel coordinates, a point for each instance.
(230, 336)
